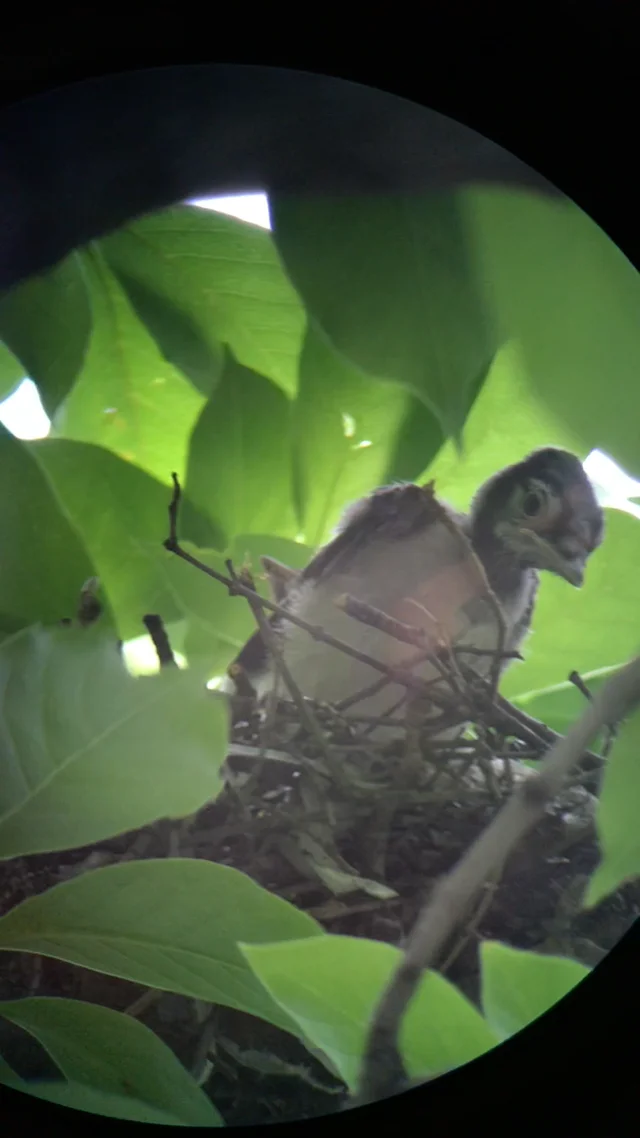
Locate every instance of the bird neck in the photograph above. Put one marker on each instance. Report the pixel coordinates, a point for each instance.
(505, 573)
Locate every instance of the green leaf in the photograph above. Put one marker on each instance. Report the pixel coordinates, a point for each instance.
(218, 625)
(561, 705)
(8, 1076)
(617, 816)
(330, 986)
(351, 433)
(239, 470)
(585, 629)
(559, 285)
(127, 397)
(77, 1096)
(506, 422)
(120, 512)
(11, 372)
(171, 924)
(518, 987)
(88, 751)
(112, 1053)
(46, 323)
(198, 280)
(390, 282)
(44, 563)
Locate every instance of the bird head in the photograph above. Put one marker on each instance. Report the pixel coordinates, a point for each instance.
(543, 512)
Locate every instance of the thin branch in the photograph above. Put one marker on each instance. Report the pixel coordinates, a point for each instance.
(305, 711)
(383, 1071)
(158, 634)
(406, 633)
(576, 679)
(237, 588)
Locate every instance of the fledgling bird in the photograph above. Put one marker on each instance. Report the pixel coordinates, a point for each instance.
(397, 551)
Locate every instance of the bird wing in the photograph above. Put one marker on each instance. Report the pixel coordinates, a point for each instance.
(405, 554)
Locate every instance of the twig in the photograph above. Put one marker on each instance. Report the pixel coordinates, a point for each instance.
(237, 588)
(158, 634)
(576, 679)
(378, 685)
(305, 711)
(383, 1071)
(143, 1002)
(376, 618)
(611, 729)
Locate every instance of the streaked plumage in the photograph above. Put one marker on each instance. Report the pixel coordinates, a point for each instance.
(397, 551)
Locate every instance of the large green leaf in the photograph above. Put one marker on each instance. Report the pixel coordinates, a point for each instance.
(79, 1096)
(197, 280)
(171, 924)
(617, 816)
(560, 705)
(44, 563)
(88, 751)
(217, 624)
(560, 286)
(112, 1053)
(121, 514)
(11, 372)
(506, 421)
(127, 397)
(239, 470)
(518, 987)
(330, 986)
(351, 432)
(585, 629)
(46, 323)
(390, 281)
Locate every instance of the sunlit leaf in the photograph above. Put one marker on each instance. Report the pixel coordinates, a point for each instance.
(46, 323)
(390, 281)
(558, 284)
(127, 397)
(171, 924)
(88, 751)
(351, 433)
(330, 985)
(199, 280)
(218, 624)
(518, 987)
(239, 470)
(44, 563)
(121, 514)
(112, 1053)
(506, 422)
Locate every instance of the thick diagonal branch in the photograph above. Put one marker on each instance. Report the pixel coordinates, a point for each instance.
(383, 1071)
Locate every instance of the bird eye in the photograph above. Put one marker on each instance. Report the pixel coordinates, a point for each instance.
(532, 503)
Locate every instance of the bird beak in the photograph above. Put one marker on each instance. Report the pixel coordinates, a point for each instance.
(570, 568)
